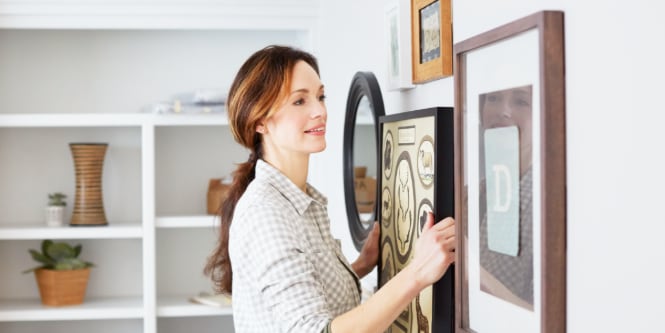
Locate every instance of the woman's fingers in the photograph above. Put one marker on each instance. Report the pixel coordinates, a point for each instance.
(448, 222)
(429, 223)
(445, 234)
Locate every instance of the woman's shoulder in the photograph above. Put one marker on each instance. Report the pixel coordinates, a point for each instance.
(262, 204)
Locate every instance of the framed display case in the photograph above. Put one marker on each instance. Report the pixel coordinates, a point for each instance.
(416, 178)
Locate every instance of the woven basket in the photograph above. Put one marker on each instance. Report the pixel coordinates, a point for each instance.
(58, 288)
(217, 192)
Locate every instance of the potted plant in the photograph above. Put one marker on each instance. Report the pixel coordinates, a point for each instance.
(62, 277)
(55, 212)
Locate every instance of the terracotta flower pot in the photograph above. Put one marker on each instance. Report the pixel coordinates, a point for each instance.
(58, 288)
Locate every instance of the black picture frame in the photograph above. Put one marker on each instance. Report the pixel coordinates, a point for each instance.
(421, 131)
(363, 85)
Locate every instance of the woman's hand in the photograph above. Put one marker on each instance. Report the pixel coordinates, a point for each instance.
(369, 254)
(434, 251)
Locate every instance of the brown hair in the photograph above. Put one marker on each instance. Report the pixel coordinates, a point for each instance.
(259, 88)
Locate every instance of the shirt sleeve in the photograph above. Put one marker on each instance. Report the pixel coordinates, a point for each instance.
(327, 329)
(284, 273)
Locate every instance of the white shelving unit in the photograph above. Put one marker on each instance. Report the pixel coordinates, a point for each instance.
(81, 72)
(94, 308)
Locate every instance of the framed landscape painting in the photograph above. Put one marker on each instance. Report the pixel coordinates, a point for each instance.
(431, 39)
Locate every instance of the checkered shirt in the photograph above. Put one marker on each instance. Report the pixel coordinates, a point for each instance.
(289, 274)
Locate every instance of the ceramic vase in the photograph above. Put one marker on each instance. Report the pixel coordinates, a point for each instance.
(88, 205)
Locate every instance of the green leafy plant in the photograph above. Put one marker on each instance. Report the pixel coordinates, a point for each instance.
(58, 256)
(57, 199)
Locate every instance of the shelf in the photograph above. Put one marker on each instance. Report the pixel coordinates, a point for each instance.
(40, 231)
(72, 120)
(110, 120)
(195, 221)
(92, 308)
(180, 306)
(174, 14)
(210, 119)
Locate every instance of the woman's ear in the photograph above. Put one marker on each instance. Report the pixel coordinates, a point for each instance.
(260, 129)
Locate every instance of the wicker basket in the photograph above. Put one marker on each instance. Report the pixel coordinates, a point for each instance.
(58, 288)
(217, 192)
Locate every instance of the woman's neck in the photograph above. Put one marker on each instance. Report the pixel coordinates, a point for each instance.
(293, 167)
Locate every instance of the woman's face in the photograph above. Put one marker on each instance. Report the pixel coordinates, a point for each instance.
(299, 126)
(511, 107)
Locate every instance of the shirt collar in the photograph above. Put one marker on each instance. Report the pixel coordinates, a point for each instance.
(287, 188)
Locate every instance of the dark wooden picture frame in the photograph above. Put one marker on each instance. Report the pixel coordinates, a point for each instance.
(545, 30)
(431, 43)
(410, 187)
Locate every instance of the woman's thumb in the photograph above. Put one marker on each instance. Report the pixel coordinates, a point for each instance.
(430, 222)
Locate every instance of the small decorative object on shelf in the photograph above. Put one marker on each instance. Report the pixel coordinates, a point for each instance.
(55, 212)
(365, 190)
(217, 190)
(218, 300)
(63, 277)
(88, 204)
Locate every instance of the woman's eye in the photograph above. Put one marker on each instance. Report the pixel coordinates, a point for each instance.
(299, 101)
(322, 98)
(522, 102)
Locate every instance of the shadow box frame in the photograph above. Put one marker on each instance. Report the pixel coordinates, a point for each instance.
(435, 189)
(546, 30)
(436, 67)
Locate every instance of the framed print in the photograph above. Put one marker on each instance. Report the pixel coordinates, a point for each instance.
(398, 42)
(510, 178)
(431, 40)
(416, 177)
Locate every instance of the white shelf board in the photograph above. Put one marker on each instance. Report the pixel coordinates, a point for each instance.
(110, 119)
(73, 120)
(40, 231)
(180, 306)
(182, 119)
(173, 14)
(193, 221)
(92, 308)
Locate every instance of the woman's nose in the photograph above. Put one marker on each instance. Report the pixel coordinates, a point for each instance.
(319, 111)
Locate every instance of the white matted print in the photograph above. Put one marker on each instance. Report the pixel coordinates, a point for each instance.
(398, 45)
(510, 194)
(484, 76)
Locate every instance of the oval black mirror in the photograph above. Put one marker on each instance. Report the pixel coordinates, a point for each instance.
(364, 106)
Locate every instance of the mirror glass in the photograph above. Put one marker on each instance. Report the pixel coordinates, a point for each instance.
(364, 161)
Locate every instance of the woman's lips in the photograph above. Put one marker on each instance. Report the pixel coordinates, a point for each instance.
(317, 130)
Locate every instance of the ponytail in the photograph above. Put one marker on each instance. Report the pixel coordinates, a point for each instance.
(219, 264)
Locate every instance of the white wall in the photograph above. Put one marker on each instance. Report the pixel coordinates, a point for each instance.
(614, 68)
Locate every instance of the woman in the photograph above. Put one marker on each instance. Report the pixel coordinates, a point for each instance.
(276, 254)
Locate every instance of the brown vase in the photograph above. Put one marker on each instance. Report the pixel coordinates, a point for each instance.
(88, 162)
